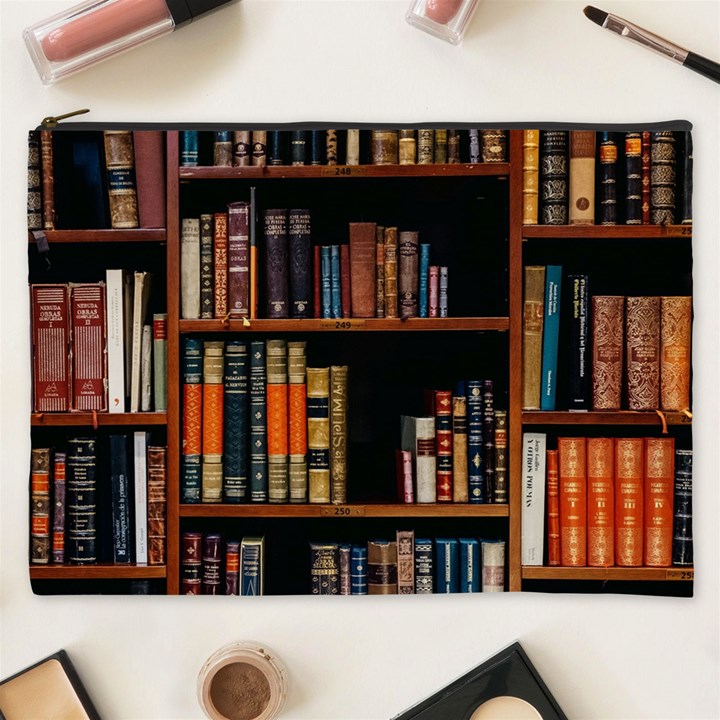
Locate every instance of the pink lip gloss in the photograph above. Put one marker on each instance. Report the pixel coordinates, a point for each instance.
(445, 19)
(98, 29)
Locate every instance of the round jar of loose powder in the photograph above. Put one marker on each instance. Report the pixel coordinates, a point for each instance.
(242, 681)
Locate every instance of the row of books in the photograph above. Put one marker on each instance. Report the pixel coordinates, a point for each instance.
(610, 501)
(78, 517)
(92, 347)
(458, 451)
(422, 146)
(119, 174)
(408, 565)
(624, 352)
(379, 272)
(259, 425)
(606, 178)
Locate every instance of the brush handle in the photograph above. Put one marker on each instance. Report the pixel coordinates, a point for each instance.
(702, 65)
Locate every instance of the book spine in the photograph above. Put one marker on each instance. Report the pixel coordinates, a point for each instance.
(494, 146)
(608, 313)
(48, 179)
(476, 476)
(682, 550)
(391, 272)
(425, 146)
(646, 172)
(580, 371)
(157, 504)
(318, 399)
(447, 576)
(489, 439)
(554, 177)
(232, 567)
(582, 177)
(51, 348)
(242, 148)
(493, 565)
(424, 575)
(601, 502)
(277, 421)
(140, 296)
(352, 156)
(239, 259)
(81, 500)
(212, 564)
(453, 145)
(433, 291)
(34, 193)
(440, 146)
(424, 271)
(358, 570)
(159, 355)
(252, 566)
(40, 506)
(299, 249)
(335, 282)
(460, 448)
(404, 473)
(298, 147)
(220, 264)
(189, 154)
(212, 421)
(276, 260)
(533, 311)
(338, 433)
(474, 145)
(192, 420)
(444, 445)
(122, 189)
(190, 268)
(501, 457)
(191, 563)
(443, 292)
(120, 492)
(236, 422)
(407, 147)
(146, 369)
(572, 468)
(140, 487)
(258, 423)
(675, 342)
(662, 178)
(325, 281)
(344, 569)
(324, 569)
(362, 269)
(469, 549)
(380, 271)
(629, 472)
(425, 460)
(551, 333)
(384, 144)
(297, 421)
(259, 148)
(59, 494)
(405, 540)
(634, 179)
(317, 275)
(382, 570)
(642, 353)
(276, 147)
(89, 352)
(149, 150)
(658, 499)
(553, 508)
(533, 498)
(685, 181)
(222, 148)
(331, 147)
(408, 281)
(607, 206)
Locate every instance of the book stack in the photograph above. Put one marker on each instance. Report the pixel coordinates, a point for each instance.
(604, 501)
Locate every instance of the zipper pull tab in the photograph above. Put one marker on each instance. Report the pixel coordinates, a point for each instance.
(50, 122)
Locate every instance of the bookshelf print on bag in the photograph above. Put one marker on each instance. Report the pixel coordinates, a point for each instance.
(269, 329)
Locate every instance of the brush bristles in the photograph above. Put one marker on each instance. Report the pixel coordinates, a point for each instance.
(597, 16)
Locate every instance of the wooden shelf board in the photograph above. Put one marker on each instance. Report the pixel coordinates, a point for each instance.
(347, 325)
(346, 171)
(103, 236)
(621, 417)
(636, 232)
(350, 510)
(96, 572)
(682, 574)
(104, 418)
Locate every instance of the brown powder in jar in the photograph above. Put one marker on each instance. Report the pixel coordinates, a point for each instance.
(240, 691)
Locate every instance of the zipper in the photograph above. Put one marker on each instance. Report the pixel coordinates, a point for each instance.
(51, 122)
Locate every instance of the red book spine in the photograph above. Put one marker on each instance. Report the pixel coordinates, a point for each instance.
(573, 501)
(601, 502)
(51, 348)
(444, 445)
(220, 238)
(239, 259)
(553, 507)
(89, 354)
(317, 275)
(646, 166)
(363, 289)
(150, 177)
(345, 281)
(58, 535)
(404, 474)
(629, 473)
(433, 290)
(48, 179)
(659, 488)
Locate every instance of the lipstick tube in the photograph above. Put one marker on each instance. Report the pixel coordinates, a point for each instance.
(99, 29)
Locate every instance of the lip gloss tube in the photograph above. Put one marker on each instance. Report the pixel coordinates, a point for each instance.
(98, 29)
(445, 19)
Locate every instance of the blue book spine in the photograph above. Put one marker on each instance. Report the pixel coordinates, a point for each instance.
(358, 570)
(447, 578)
(475, 408)
(469, 565)
(424, 582)
(251, 566)
(189, 148)
(120, 499)
(235, 422)
(551, 331)
(424, 271)
(325, 281)
(258, 424)
(335, 303)
(192, 375)
(489, 440)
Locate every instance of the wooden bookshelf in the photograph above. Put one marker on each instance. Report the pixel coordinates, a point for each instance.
(85, 419)
(100, 571)
(651, 574)
(103, 236)
(603, 417)
(600, 232)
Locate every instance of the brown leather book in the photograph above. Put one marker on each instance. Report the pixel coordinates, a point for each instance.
(533, 303)
(149, 149)
(440, 151)
(607, 348)
(582, 177)
(572, 468)
(259, 148)
(675, 340)
(122, 188)
(242, 148)
(47, 172)
(156, 503)
(345, 281)
(662, 178)
(384, 147)
(362, 269)
(380, 271)
(494, 146)
(453, 146)
(658, 490)
(408, 278)
(531, 176)
(89, 346)
(382, 570)
(391, 269)
(601, 501)
(425, 147)
(407, 147)
(629, 461)
(405, 561)
(646, 166)
(318, 398)
(642, 356)
(460, 450)
(331, 147)
(553, 508)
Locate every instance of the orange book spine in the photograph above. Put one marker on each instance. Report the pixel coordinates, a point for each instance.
(220, 240)
(629, 454)
(553, 508)
(601, 501)
(297, 419)
(675, 338)
(192, 418)
(212, 427)
(572, 468)
(658, 488)
(277, 419)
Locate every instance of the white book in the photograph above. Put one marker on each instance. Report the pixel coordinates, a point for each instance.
(140, 302)
(425, 460)
(190, 268)
(140, 442)
(146, 370)
(533, 498)
(115, 313)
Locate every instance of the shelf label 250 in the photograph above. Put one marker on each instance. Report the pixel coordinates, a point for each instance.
(343, 511)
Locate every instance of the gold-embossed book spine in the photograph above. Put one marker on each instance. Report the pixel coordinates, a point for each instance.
(675, 341)
(601, 501)
(607, 349)
(338, 433)
(533, 304)
(318, 401)
(642, 334)
(572, 457)
(658, 499)
(629, 471)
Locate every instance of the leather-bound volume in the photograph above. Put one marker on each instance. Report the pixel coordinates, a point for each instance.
(318, 148)
(259, 148)
(572, 468)
(629, 473)
(50, 307)
(276, 259)
(553, 508)
(362, 269)
(682, 552)
(242, 149)
(601, 502)
(425, 460)
(554, 177)
(336, 281)
(608, 314)
(211, 564)
(405, 540)
(474, 135)
(476, 475)
(239, 259)
(298, 147)
(191, 563)
(407, 146)
(318, 412)
(582, 177)
(89, 350)
(324, 568)
(493, 565)
(297, 421)
(148, 146)
(384, 147)
(189, 148)
(277, 421)
(81, 501)
(331, 147)
(212, 421)
(58, 507)
(222, 148)
(382, 570)
(299, 249)
(345, 281)
(276, 150)
(453, 147)
(408, 278)
(48, 179)
(34, 189)
(675, 341)
(440, 147)
(344, 551)
(338, 433)
(236, 423)
(190, 269)
(433, 291)
(220, 236)
(662, 178)
(642, 357)
(489, 439)
(460, 451)
(658, 500)
(380, 271)
(533, 305)
(425, 146)
(122, 192)
(646, 172)
(156, 503)
(634, 180)
(207, 268)
(352, 147)
(317, 282)
(40, 506)
(444, 445)
(232, 567)
(531, 176)
(258, 423)
(404, 476)
(391, 272)
(424, 571)
(494, 146)
(685, 179)
(501, 457)
(192, 397)
(607, 205)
